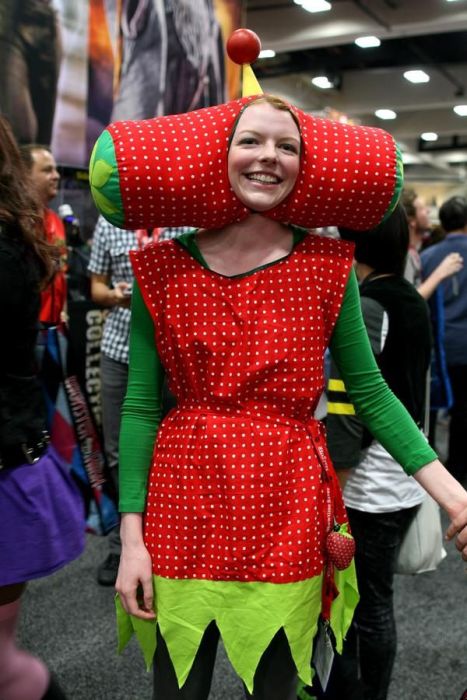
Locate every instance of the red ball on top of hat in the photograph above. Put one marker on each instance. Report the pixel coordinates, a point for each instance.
(243, 46)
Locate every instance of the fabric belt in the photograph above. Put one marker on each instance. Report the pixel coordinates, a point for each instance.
(23, 453)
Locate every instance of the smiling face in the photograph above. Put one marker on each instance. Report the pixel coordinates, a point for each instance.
(264, 156)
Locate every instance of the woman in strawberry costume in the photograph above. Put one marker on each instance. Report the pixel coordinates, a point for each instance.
(229, 502)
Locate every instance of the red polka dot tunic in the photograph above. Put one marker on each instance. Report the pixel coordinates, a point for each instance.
(239, 488)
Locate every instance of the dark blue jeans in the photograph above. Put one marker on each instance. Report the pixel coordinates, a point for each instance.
(378, 537)
(370, 647)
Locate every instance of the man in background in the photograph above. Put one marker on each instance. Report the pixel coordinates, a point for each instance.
(453, 218)
(419, 227)
(111, 283)
(43, 168)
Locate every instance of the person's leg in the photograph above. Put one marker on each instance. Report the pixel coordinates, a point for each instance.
(22, 676)
(114, 378)
(378, 537)
(198, 683)
(276, 675)
(457, 454)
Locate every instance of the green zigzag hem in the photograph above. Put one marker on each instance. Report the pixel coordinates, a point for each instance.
(248, 616)
(104, 180)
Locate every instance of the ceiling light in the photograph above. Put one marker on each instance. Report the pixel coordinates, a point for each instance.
(461, 110)
(367, 42)
(429, 136)
(314, 5)
(416, 76)
(267, 53)
(322, 82)
(385, 114)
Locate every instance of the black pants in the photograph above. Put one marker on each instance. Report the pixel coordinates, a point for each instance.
(457, 452)
(370, 647)
(275, 678)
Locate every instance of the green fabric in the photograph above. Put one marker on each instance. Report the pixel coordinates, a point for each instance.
(343, 607)
(248, 616)
(142, 408)
(104, 180)
(144, 630)
(302, 694)
(399, 184)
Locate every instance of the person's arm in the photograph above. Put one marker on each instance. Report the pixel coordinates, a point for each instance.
(100, 268)
(105, 295)
(387, 419)
(141, 415)
(451, 264)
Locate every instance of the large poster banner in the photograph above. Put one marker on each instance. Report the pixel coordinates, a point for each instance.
(69, 68)
(160, 56)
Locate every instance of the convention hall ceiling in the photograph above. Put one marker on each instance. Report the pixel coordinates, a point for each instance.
(426, 35)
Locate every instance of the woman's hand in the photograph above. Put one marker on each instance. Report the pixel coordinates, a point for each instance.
(134, 579)
(134, 582)
(451, 496)
(458, 527)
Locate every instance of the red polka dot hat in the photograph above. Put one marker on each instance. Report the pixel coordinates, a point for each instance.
(172, 171)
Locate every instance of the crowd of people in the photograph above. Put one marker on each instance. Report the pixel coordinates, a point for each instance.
(211, 369)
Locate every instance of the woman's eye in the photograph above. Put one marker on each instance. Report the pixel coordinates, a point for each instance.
(290, 147)
(247, 140)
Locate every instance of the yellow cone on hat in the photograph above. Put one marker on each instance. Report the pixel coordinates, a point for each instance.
(250, 85)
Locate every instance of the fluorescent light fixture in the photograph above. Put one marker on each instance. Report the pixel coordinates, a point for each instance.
(429, 136)
(314, 5)
(416, 76)
(267, 53)
(461, 110)
(322, 82)
(367, 42)
(385, 114)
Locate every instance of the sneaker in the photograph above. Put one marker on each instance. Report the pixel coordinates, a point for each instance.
(107, 571)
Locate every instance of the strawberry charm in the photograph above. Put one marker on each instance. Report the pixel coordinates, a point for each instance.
(340, 546)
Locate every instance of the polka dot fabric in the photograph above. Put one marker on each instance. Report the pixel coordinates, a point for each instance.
(172, 171)
(238, 489)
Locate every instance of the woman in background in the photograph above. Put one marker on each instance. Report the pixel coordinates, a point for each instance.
(41, 512)
(380, 499)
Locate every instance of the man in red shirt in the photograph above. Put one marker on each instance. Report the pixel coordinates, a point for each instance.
(43, 169)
